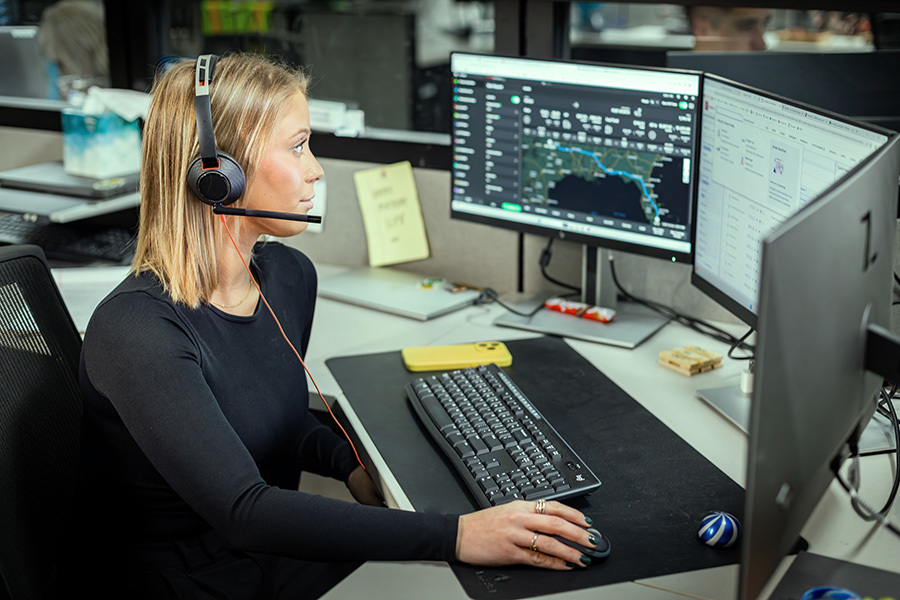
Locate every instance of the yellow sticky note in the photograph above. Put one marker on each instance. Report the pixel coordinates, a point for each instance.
(389, 202)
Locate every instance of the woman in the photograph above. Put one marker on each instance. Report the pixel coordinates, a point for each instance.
(197, 423)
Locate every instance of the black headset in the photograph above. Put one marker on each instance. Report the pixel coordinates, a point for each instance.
(215, 177)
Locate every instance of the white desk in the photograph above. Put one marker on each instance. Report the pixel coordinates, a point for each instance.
(342, 329)
(833, 530)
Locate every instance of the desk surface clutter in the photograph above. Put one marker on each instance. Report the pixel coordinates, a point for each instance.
(655, 487)
(664, 457)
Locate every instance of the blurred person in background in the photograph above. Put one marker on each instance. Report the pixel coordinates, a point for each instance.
(72, 36)
(719, 29)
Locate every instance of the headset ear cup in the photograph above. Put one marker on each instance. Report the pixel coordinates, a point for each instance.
(195, 170)
(218, 186)
(235, 175)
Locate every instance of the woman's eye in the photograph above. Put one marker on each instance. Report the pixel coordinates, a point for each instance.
(298, 148)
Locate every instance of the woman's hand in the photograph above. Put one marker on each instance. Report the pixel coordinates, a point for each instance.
(363, 488)
(505, 535)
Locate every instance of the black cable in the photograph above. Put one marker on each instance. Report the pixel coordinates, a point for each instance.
(889, 401)
(697, 325)
(861, 507)
(735, 345)
(545, 262)
(490, 295)
(855, 501)
(897, 281)
(882, 404)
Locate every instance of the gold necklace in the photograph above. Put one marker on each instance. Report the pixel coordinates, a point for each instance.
(247, 295)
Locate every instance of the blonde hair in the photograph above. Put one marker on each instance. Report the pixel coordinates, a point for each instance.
(73, 35)
(178, 233)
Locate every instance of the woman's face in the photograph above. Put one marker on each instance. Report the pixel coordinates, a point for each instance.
(286, 172)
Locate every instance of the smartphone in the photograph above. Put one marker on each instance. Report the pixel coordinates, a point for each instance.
(456, 356)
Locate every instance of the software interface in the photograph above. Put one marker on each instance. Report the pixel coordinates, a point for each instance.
(593, 150)
(761, 159)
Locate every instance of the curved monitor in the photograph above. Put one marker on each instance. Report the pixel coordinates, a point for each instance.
(597, 154)
(761, 158)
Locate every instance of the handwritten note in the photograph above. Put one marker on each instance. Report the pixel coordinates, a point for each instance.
(392, 217)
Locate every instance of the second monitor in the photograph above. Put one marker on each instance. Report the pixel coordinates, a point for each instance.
(762, 158)
(597, 154)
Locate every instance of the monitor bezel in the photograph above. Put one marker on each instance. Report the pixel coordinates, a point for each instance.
(589, 240)
(708, 287)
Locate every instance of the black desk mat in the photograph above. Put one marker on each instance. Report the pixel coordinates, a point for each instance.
(655, 487)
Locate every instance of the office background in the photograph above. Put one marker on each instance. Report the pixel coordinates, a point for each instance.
(390, 59)
(404, 97)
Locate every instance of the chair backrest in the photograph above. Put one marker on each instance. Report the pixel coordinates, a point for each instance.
(40, 425)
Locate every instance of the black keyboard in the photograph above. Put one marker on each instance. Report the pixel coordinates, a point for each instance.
(496, 439)
(69, 242)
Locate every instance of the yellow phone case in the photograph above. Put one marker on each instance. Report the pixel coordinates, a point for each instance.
(456, 356)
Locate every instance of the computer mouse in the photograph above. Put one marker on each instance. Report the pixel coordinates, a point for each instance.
(600, 551)
(719, 530)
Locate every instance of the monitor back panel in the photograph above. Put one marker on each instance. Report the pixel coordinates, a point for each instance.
(827, 274)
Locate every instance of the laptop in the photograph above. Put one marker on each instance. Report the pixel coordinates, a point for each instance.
(398, 292)
(51, 178)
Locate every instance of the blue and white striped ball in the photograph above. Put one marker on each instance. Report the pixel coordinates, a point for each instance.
(830, 593)
(719, 530)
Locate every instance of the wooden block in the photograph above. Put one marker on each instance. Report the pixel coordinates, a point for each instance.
(690, 360)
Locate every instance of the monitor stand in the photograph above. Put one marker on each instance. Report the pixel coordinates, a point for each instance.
(731, 401)
(632, 325)
(734, 404)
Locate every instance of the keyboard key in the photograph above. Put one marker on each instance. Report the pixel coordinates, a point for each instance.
(540, 492)
(507, 498)
(477, 445)
(464, 450)
(437, 412)
(487, 484)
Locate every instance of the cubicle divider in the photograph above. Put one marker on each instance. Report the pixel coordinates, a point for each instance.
(459, 251)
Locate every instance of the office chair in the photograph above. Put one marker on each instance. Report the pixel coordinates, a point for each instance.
(40, 428)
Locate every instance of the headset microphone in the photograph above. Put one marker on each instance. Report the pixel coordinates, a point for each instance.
(215, 177)
(264, 214)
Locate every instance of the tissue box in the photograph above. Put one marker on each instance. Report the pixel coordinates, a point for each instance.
(100, 145)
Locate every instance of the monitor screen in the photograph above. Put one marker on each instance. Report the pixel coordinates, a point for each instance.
(827, 276)
(761, 158)
(597, 154)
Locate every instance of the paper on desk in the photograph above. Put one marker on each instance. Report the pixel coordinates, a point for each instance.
(389, 202)
(83, 288)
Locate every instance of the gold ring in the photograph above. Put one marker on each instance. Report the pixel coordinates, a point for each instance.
(539, 506)
(534, 542)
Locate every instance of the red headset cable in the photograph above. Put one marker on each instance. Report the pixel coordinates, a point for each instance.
(284, 335)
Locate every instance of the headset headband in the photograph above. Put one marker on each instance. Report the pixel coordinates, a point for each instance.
(202, 80)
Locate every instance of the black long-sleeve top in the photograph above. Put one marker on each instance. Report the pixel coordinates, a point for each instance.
(194, 417)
